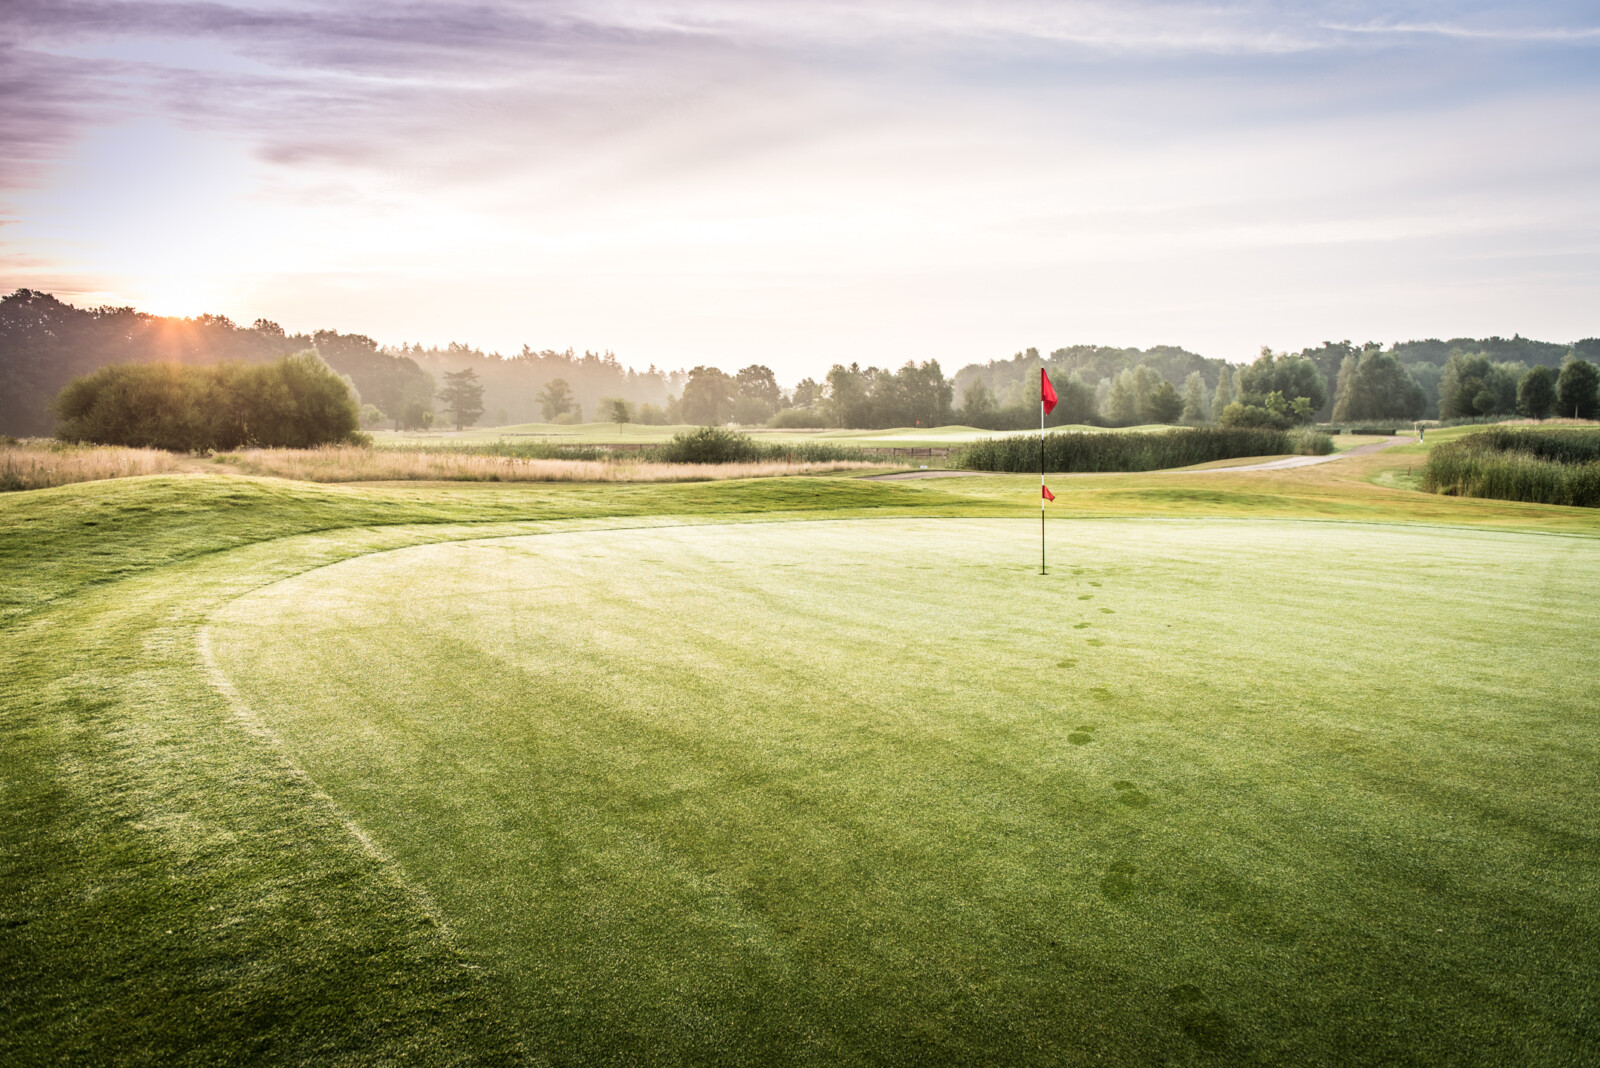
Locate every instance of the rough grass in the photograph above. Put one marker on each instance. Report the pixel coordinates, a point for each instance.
(356, 464)
(902, 800)
(34, 463)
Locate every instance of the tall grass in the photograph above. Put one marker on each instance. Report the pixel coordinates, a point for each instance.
(38, 464)
(1553, 466)
(343, 463)
(1309, 441)
(1123, 451)
(703, 445)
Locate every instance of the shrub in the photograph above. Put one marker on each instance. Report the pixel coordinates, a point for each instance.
(1252, 416)
(1543, 466)
(1308, 441)
(797, 419)
(1121, 452)
(716, 445)
(709, 445)
(296, 401)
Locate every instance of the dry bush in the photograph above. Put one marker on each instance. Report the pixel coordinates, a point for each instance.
(37, 463)
(343, 463)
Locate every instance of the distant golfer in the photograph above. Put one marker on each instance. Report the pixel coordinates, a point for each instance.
(1422, 432)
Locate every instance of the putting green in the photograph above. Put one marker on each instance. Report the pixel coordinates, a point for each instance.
(877, 792)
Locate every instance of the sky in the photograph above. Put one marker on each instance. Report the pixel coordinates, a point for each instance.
(730, 182)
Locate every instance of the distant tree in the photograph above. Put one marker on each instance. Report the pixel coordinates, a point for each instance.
(1375, 385)
(1195, 409)
(848, 401)
(1341, 388)
(501, 417)
(807, 393)
(394, 383)
(371, 416)
(1239, 414)
(1224, 394)
(1164, 405)
(1576, 389)
(1471, 386)
(708, 396)
(1536, 393)
(618, 411)
(555, 399)
(414, 416)
(1295, 379)
(463, 397)
(652, 415)
(916, 395)
(757, 394)
(1144, 380)
(1122, 404)
(977, 404)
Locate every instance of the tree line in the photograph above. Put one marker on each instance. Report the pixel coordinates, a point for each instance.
(44, 343)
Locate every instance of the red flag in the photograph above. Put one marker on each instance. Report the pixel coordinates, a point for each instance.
(1045, 491)
(1047, 392)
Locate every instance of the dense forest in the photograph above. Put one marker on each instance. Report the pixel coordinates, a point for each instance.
(45, 343)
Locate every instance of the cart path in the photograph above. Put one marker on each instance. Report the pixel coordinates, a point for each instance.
(1270, 465)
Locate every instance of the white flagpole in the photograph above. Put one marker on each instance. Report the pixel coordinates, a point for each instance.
(1041, 471)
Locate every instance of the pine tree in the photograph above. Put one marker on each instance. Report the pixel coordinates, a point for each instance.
(463, 397)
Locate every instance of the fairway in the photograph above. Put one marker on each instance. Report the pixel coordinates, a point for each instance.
(875, 791)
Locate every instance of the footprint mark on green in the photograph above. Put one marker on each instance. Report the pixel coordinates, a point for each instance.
(1130, 794)
(1207, 1027)
(1118, 882)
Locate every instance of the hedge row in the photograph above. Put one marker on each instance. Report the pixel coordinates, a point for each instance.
(1123, 451)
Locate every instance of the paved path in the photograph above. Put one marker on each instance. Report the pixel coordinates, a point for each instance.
(1270, 465)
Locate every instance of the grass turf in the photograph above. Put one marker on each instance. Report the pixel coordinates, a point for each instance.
(878, 793)
(137, 802)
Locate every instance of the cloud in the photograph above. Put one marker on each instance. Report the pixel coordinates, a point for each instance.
(678, 172)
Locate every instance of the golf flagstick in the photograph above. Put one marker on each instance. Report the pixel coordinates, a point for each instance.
(1047, 404)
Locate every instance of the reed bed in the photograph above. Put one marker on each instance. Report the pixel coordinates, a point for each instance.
(34, 463)
(346, 463)
(1543, 466)
(1123, 451)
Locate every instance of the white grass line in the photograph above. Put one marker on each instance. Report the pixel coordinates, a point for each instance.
(253, 725)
